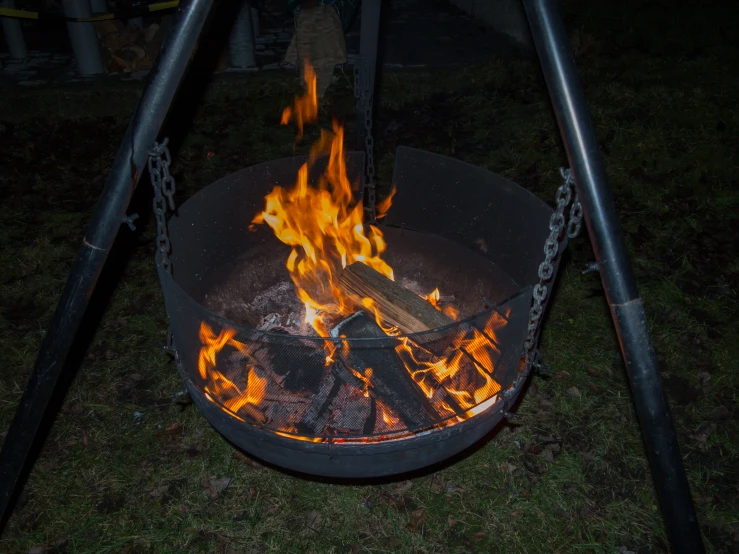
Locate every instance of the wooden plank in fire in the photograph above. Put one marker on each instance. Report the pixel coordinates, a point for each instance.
(397, 305)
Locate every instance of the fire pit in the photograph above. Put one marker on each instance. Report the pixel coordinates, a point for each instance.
(364, 399)
(327, 345)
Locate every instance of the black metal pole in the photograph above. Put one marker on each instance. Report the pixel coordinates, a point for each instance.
(627, 310)
(369, 32)
(101, 232)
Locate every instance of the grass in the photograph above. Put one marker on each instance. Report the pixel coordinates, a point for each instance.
(108, 480)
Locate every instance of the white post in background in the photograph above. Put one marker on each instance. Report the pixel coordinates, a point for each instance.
(255, 21)
(99, 6)
(241, 43)
(13, 33)
(83, 37)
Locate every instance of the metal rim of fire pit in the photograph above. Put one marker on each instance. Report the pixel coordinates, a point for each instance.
(349, 459)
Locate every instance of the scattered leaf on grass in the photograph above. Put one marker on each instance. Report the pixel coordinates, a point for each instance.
(85, 438)
(158, 492)
(174, 429)
(547, 455)
(214, 487)
(451, 487)
(592, 387)
(704, 431)
(722, 413)
(392, 542)
(141, 541)
(562, 374)
(244, 459)
(404, 503)
(505, 467)
(270, 506)
(356, 549)
(437, 483)
(704, 378)
(480, 536)
(313, 520)
(72, 408)
(39, 549)
(401, 488)
(416, 519)
(574, 392)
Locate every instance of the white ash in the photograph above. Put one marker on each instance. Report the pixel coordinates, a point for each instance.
(276, 299)
(294, 323)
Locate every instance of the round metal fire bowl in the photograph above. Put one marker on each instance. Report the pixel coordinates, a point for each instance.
(355, 460)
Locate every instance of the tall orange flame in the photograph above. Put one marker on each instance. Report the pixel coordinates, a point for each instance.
(324, 226)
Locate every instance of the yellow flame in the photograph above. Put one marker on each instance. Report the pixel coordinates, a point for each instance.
(220, 386)
(324, 226)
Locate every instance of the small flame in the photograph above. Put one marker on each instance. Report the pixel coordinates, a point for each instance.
(383, 206)
(218, 385)
(433, 298)
(305, 107)
(448, 310)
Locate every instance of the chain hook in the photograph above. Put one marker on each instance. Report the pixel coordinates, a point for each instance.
(557, 224)
(164, 189)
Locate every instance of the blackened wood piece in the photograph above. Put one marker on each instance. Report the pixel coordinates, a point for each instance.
(396, 304)
(318, 413)
(390, 381)
(298, 365)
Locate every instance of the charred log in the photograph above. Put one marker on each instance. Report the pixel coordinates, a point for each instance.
(378, 370)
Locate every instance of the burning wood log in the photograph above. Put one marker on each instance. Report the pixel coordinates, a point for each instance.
(396, 305)
(380, 372)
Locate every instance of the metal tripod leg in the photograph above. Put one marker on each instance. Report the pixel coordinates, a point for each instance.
(101, 232)
(627, 311)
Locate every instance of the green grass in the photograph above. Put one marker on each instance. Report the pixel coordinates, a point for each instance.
(570, 476)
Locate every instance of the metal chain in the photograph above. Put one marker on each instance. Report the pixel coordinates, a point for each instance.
(164, 188)
(557, 224)
(364, 100)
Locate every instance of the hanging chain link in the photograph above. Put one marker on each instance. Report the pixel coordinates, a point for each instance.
(557, 224)
(575, 223)
(363, 94)
(164, 189)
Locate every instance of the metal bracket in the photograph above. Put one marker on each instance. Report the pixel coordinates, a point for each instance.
(129, 219)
